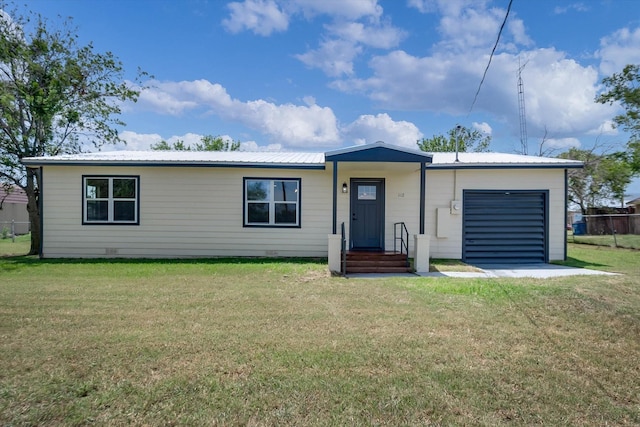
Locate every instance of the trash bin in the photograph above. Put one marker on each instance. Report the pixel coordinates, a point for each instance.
(579, 228)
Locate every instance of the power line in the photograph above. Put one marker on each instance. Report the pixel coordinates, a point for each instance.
(475, 98)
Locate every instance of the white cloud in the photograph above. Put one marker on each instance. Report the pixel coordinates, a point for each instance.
(189, 139)
(579, 7)
(309, 100)
(287, 124)
(334, 57)
(137, 141)
(483, 127)
(559, 92)
(560, 144)
(607, 127)
(345, 35)
(347, 9)
(619, 49)
(263, 17)
(424, 6)
(141, 141)
(253, 146)
(369, 128)
(384, 36)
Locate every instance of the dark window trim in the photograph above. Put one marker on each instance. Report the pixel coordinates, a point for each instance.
(84, 200)
(244, 202)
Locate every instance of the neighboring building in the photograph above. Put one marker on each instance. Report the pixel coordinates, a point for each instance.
(13, 207)
(480, 207)
(634, 205)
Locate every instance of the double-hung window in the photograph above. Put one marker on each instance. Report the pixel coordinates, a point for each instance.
(271, 202)
(111, 200)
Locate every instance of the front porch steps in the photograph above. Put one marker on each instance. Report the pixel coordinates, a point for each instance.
(376, 262)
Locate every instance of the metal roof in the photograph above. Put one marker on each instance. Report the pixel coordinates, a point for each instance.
(184, 158)
(377, 152)
(496, 160)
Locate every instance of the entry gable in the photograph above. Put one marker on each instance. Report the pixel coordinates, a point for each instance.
(378, 152)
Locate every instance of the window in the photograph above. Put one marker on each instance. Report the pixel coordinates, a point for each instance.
(366, 192)
(110, 200)
(271, 202)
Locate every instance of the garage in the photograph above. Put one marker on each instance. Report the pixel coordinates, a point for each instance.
(504, 226)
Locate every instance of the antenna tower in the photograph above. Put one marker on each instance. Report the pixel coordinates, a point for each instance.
(524, 146)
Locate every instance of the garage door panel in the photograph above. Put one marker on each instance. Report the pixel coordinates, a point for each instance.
(504, 226)
(506, 231)
(533, 241)
(528, 219)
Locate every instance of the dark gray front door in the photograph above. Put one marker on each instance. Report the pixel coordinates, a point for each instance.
(367, 214)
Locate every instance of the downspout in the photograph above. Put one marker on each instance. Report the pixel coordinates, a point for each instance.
(40, 210)
(335, 197)
(422, 195)
(566, 209)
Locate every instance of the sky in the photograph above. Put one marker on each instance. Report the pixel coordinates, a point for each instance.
(316, 75)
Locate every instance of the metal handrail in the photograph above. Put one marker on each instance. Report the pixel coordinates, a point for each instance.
(343, 250)
(401, 229)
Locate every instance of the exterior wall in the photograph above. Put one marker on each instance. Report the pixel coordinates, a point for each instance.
(402, 195)
(198, 211)
(184, 212)
(444, 186)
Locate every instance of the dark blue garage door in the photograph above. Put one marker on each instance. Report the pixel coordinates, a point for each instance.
(504, 226)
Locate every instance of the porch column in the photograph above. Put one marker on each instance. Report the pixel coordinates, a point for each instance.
(421, 255)
(422, 196)
(335, 249)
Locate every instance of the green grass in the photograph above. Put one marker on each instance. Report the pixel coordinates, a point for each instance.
(450, 265)
(281, 342)
(21, 246)
(629, 241)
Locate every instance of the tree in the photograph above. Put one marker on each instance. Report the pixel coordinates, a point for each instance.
(466, 139)
(56, 97)
(624, 88)
(207, 143)
(604, 177)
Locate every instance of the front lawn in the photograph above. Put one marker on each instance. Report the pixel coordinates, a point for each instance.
(265, 342)
(629, 241)
(18, 246)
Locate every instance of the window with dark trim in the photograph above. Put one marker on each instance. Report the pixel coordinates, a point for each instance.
(270, 202)
(110, 200)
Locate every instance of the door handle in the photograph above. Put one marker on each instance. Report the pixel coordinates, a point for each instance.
(353, 217)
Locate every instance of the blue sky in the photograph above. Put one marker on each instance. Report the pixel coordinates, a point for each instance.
(312, 75)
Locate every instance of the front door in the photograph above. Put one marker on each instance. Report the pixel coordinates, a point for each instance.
(367, 214)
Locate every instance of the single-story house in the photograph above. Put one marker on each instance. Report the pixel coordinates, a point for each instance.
(373, 198)
(13, 210)
(634, 204)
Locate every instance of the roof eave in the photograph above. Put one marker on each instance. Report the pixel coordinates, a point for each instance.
(450, 166)
(35, 162)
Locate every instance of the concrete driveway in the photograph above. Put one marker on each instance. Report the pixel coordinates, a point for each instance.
(538, 271)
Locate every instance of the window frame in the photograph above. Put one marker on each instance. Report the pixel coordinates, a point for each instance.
(110, 200)
(272, 203)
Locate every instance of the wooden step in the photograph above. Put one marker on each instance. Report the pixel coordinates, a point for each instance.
(376, 262)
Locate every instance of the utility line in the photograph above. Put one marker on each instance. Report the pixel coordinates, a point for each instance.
(475, 98)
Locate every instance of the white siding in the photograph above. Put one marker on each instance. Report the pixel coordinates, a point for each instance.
(184, 212)
(447, 185)
(198, 211)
